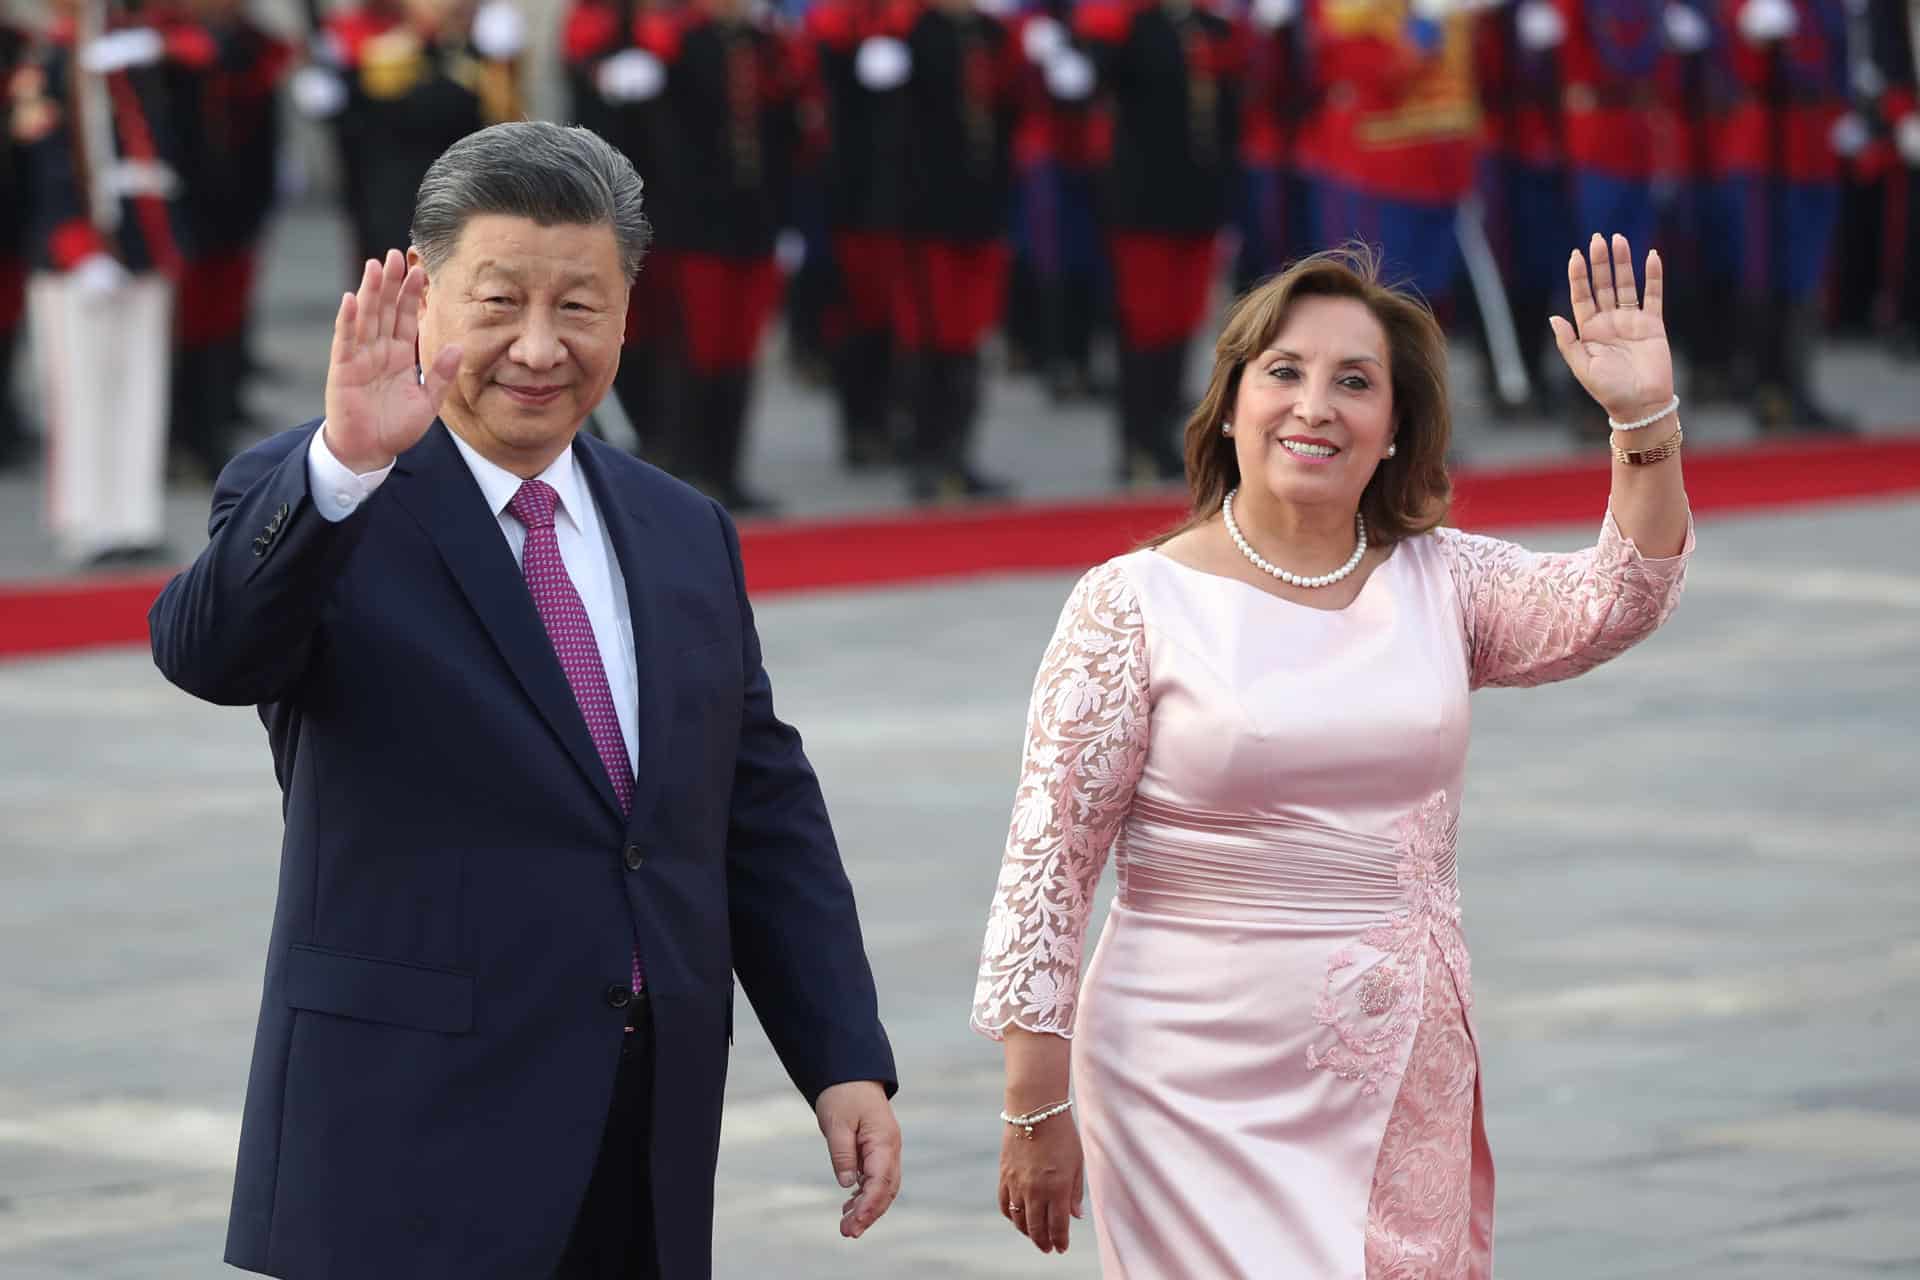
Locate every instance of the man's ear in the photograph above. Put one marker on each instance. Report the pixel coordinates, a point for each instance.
(415, 260)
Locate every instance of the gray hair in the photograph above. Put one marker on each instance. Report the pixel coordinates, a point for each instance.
(548, 173)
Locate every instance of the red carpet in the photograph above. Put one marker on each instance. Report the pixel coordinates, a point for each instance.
(891, 550)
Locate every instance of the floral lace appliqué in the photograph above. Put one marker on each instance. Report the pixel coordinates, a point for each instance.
(1420, 1209)
(1366, 1046)
(1531, 618)
(1086, 744)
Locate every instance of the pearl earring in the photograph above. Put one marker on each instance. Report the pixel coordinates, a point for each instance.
(1392, 449)
(1226, 428)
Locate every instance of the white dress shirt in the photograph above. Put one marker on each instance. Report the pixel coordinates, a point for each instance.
(585, 548)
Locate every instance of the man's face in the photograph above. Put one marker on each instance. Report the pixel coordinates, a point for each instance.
(539, 314)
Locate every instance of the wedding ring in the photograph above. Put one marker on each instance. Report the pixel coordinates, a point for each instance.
(1014, 1208)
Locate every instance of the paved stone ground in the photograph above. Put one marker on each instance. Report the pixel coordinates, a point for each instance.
(1054, 451)
(1690, 885)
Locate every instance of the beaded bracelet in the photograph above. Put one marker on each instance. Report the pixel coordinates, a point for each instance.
(1647, 421)
(1033, 1118)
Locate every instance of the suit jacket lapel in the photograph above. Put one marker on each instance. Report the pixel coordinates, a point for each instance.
(432, 481)
(635, 542)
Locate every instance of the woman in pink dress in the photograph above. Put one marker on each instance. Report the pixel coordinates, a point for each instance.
(1265, 713)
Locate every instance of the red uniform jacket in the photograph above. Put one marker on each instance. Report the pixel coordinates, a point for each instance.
(1519, 93)
(1395, 111)
(1781, 101)
(1620, 88)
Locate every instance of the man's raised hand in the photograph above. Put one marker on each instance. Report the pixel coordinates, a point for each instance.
(377, 408)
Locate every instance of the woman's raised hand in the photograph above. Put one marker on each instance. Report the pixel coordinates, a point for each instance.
(377, 406)
(1619, 351)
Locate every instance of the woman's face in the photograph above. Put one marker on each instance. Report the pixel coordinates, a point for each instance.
(1314, 413)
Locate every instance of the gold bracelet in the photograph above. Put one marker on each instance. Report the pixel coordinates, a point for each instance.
(1646, 457)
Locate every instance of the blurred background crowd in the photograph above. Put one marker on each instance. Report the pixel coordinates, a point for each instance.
(904, 184)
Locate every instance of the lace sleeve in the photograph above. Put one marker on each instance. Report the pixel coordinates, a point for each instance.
(1086, 743)
(1532, 618)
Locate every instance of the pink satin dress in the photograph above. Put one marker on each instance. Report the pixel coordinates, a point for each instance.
(1273, 1049)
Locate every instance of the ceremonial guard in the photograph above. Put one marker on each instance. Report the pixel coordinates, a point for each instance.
(320, 92)
(15, 444)
(408, 82)
(857, 52)
(1172, 71)
(961, 97)
(1523, 169)
(1275, 213)
(1779, 123)
(732, 132)
(1062, 141)
(1620, 82)
(103, 164)
(1392, 143)
(1694, 235)
(1875, 250)
(590, 32)
(618, 89)
(1896, 31)
(228, 112)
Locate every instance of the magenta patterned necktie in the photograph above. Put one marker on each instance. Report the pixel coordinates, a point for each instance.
(572, 635)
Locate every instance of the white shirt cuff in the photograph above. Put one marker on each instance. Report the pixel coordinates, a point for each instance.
(337, 489)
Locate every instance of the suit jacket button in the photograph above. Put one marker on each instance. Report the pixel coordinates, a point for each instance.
(618, 996)
(634, 857)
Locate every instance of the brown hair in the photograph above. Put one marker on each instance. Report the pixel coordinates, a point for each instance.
(1409, 493)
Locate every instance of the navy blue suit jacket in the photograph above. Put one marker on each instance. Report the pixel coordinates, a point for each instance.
(459, 894)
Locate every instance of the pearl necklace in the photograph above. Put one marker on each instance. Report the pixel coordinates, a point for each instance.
(1294, 579)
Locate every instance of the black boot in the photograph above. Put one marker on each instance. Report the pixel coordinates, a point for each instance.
(233, 372)
(728, 396)
(1530, 310)
(946, 411)
(1783, 402)
(1763, 336)
(254, 366)
(648, 387)
(196, 424)
(1147, 455)
(1714, 348)
(963, 374)
(16, 446)
(1163, 412)
(1803, 334)
(1176, 402)
(936, 445)
(1076, 303)
(682, 445)
(932, 420)
(863, 383)
(1028, 322)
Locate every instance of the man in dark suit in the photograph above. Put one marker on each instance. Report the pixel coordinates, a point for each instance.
(538, 807)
